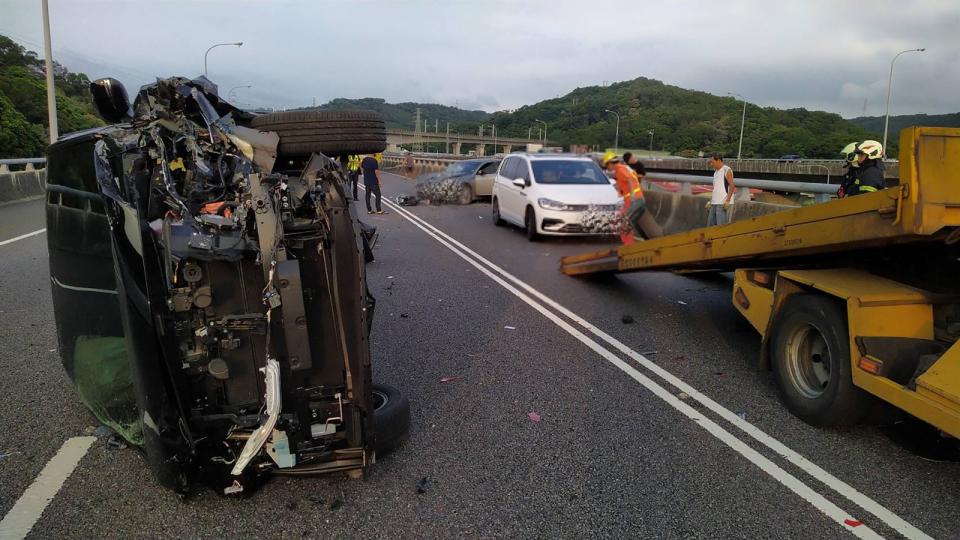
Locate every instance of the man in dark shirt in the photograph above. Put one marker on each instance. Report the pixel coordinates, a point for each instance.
(635, 164)
(371, 181)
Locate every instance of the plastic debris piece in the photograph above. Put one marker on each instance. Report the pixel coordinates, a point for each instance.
(533, 416)
(422, 485)
(407, 200)
(648, 353)
(8, 454)
(852, 522)
(742, 415)
(683, 395)
(451, 379)
(626, 319)
(509, 327)
(389, 277)
(681, 302)
(115, 442)
(404, 316)
(102, 431)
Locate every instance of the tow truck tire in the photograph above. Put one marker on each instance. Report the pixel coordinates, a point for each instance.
(810, 355)
(332, 133)
(391, 418)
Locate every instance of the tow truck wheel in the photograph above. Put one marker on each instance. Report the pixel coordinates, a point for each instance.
(810, 355)
(391, 417)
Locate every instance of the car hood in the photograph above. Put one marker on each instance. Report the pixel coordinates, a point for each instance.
(580, 193)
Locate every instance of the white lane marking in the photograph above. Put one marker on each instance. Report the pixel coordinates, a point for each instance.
(829, 509)
(81, 289)
(27, 510)
(22, 236)
(885, 515)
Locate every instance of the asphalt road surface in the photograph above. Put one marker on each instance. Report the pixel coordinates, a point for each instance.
(659, 428)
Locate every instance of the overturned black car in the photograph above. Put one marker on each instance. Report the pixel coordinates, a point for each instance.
(209, 289)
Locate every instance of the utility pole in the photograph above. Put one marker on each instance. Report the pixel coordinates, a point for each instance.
(416, 131)
(651, 139)
(886, 120)
(543, 141)
(494, 133)
(48, 64)
(447, 151)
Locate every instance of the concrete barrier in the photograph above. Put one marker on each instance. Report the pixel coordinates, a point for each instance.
(676, 212)
(22, 185)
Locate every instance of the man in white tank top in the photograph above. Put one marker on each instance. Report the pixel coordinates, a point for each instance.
(723, 190)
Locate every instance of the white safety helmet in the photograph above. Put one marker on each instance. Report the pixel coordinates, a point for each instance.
(871, 149)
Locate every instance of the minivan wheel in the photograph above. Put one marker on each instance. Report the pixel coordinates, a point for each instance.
(391, 417)
(497, 220)
(531, 222)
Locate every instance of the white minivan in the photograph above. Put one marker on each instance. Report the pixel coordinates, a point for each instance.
(549, 194)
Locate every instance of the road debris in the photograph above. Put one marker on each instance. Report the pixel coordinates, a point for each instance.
(684, 396)
(116, 442)
(336, 504)
(509, 327)
(852, 522)
(444, 191)
(681, 302)
(533, 416)
(627, 319)
(404, 316)
(649, 353)
(8, 454)
(742, 415)
(407, 200)
(103, 431)
(422, 485)
(451, 379)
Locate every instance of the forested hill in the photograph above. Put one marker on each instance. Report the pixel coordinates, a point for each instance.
(682, 120)
(23, 102)
(875, 123)
(403, 115)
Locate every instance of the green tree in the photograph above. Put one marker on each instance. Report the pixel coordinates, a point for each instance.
(18, 137)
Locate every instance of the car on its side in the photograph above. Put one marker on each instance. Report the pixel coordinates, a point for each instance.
(554, 195)
(461, 182)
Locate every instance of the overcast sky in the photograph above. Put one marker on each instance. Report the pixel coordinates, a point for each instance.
(827, 55)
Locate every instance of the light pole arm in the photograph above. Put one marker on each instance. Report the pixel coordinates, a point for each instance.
(238, 44)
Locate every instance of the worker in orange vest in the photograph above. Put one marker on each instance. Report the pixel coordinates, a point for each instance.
(634, 208)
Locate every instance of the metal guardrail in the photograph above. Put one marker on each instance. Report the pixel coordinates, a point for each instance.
(821, 192)
(28, 162)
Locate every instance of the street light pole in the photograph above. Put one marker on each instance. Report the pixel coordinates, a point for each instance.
(48, 65)
(616, 137)
(743, 118)
(543, 142)
(237, 44)
(886, 120)
(651, 139)
(232, 90)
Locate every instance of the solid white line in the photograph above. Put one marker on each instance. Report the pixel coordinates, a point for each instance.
(829, 509)
(22, 236)
(25, 513)
(841, 487)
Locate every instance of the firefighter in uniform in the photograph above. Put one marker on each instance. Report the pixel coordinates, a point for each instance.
(850, 169)
(870, 172)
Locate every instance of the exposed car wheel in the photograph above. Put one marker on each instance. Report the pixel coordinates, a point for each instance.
(391, 417)
(497, 220)
(328, 132)
(811, 362)
(466, 194)
(531, 222)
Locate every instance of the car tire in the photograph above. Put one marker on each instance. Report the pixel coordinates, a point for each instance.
(466, 194)
(497, 220)
(810, 355)
(332, 133)
(391, 418)
(530, 220)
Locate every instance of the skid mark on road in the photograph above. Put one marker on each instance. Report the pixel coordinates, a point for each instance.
(28, 509)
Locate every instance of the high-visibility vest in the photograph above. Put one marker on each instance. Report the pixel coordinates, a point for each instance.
(353, 163)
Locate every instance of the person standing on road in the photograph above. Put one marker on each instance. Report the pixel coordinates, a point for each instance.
(371, 181)
(635, 164)
(723, 190)
(634, 209)
(353, 170)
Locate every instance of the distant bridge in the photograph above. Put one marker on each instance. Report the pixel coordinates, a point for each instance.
(402, 137)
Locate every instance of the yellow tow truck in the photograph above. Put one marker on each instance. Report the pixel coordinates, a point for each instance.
(853, 298)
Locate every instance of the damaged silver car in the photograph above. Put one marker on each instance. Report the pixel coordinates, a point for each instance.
(209, 288)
